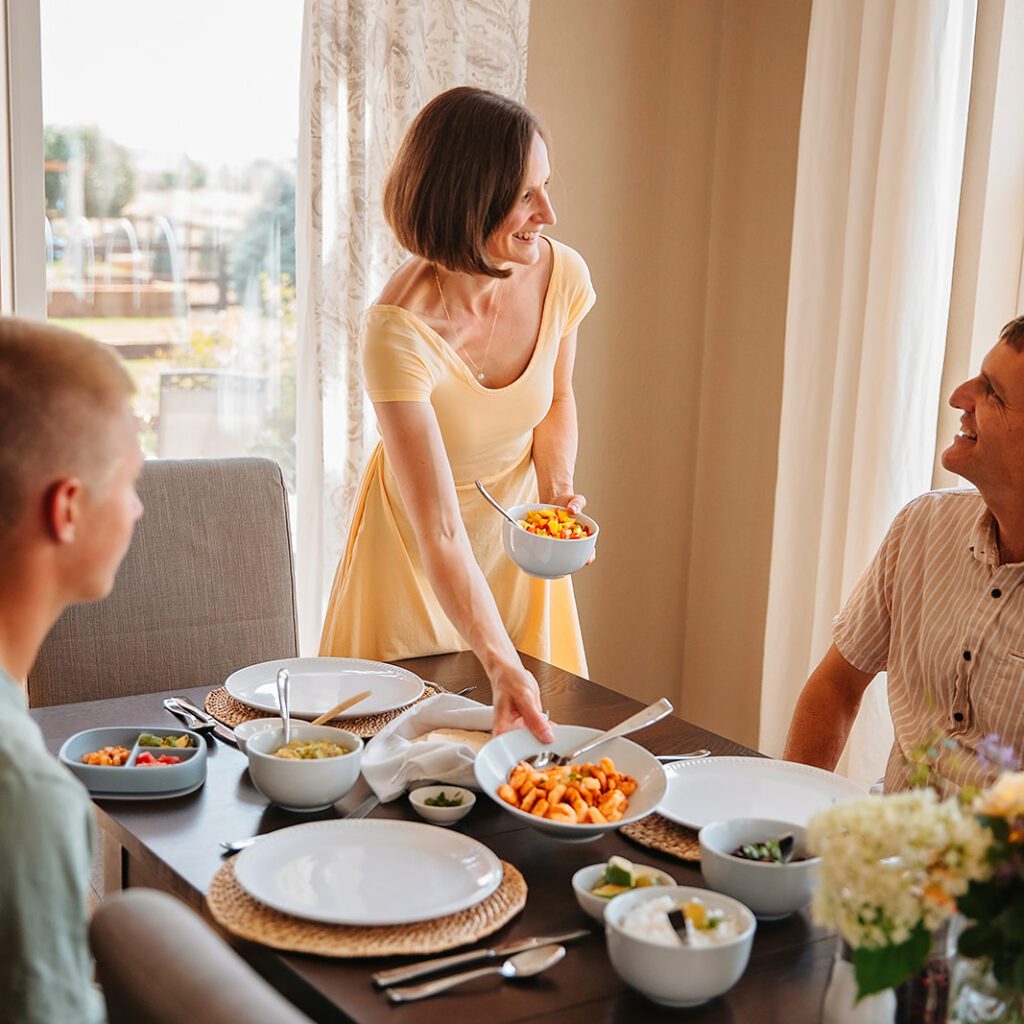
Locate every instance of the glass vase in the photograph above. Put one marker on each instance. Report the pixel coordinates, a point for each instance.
(922, 999)
(975, 997)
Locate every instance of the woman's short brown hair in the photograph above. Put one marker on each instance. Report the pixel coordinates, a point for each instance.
(456, 176)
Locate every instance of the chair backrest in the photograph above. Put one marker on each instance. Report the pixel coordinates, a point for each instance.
(207, 587)
(159, 963)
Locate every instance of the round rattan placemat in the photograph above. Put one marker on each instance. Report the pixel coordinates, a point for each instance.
(232, 712)
(237, 912)
(666, 836)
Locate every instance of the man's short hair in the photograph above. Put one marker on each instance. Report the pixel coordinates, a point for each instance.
(59, 394)
(456, 176)
(1013, 334)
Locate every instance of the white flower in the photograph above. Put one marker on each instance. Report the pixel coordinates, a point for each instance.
(890, 862)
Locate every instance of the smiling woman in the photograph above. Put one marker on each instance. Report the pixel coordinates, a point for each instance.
(468, 358)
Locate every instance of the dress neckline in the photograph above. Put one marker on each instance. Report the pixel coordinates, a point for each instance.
(467, 373)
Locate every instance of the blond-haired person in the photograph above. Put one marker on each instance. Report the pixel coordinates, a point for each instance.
(468, 357)
(69, 459)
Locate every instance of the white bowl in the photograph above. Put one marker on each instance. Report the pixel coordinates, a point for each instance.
(441, 815)
(244, 730)
(771, 891)
(298, 785)
(547, 558)
(586, 878)
(678, 975)
(501, 754)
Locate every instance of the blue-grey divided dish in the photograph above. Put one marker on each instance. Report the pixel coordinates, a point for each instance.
(131, 782)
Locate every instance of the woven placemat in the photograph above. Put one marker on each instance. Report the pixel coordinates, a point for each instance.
(232, 712)
(661, 834)
(237, 912)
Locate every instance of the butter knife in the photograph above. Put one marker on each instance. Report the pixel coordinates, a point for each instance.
(399, 974)
(201, 721)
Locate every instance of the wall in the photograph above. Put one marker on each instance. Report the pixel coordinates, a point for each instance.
(674, 128)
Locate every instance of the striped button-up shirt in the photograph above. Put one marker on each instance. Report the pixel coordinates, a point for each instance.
(939, 614)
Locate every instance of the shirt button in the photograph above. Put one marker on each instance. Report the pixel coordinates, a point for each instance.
(997, 592)
(967, 655)
(958, 716)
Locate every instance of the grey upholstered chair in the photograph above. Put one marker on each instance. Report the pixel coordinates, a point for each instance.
(159, 963)
(206, 588)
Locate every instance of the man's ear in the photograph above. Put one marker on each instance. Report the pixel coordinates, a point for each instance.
(64, 509)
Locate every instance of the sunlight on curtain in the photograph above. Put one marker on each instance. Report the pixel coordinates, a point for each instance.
(368, 66)
(878, 184)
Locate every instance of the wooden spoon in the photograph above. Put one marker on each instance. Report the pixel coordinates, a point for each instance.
(343, 706)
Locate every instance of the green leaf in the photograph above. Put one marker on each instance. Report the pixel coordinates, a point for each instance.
(879, 969)
(1018, 973)
(977, 941)
(1011, 923)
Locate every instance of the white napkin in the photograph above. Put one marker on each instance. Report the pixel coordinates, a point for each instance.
(391, 760)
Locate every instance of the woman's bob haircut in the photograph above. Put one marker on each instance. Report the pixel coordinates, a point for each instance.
(456, 176)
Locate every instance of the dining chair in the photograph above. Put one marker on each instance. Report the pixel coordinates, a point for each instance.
(207, 587)
(159, 963)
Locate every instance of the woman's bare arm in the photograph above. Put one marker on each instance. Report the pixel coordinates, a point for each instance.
(415, 449)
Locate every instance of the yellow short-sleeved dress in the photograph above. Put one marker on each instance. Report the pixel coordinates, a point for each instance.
(382, 605)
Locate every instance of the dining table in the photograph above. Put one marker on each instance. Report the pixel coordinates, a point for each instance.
(174, 845)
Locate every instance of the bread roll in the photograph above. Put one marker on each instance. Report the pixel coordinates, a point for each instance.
(474, 739)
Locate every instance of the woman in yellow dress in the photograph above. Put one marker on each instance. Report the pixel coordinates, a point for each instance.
(468, 358)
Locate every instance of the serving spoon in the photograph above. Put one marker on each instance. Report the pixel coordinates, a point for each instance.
(642, 719)
(522, 965)
(487, 494)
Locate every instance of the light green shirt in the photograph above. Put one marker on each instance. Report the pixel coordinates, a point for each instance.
(46, 844)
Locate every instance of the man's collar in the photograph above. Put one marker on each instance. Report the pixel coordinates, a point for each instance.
(11, 693)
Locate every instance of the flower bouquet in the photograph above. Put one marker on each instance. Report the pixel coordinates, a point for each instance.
(892, 869)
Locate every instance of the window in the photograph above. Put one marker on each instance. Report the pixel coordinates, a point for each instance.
(169, 137)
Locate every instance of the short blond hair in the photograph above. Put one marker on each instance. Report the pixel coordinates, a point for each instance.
(59, 394)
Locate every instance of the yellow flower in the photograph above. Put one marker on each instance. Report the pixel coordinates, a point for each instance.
(1004, 799)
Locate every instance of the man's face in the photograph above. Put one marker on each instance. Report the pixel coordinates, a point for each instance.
(109, 512)
(989, 448)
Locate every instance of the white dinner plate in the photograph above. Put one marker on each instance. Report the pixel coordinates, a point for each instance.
(368, 872)
(318, 684)
(717, 788)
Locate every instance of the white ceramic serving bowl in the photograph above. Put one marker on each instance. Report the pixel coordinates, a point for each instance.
(244, 730)
(586, 878)
(298, 785)
(678, 975)
(770, 890)
(501, 754)
(547, 557)
(441, 815)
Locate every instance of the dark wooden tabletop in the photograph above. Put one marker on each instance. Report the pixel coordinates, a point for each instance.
(174, 844)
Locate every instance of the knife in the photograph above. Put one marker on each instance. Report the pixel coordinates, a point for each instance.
(194, 718)
(398, 974)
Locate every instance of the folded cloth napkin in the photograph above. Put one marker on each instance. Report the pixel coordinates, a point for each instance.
(391, 760)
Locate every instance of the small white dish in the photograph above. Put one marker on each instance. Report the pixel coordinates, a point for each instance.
(368, 871)
(547, 558)
(441, 815)
(678, 975)
(585, 879)
(772, 891)
(301, 785)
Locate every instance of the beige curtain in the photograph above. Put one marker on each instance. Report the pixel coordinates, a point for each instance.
(368, 66)
(878, 187)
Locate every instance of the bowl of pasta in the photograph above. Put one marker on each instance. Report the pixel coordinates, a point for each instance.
(619, 782)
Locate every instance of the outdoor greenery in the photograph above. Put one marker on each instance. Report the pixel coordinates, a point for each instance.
(110, 179)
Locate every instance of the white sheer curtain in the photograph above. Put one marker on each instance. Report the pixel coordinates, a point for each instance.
(368, 66)
(878, 184)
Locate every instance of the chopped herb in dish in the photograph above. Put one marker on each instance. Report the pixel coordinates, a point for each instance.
(442, 800)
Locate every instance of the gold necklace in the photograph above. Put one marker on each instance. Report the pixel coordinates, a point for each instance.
(479, 367)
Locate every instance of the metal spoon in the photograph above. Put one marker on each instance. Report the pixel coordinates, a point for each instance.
(642, 719)
(692, 755)
(283, 680)
(522, 965)
(483, 490)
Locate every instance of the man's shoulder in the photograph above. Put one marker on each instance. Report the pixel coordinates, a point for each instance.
(951, 507)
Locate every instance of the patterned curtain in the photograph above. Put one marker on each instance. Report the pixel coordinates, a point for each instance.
(368, 67)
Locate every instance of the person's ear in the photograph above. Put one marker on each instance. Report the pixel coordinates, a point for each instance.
(64, 509)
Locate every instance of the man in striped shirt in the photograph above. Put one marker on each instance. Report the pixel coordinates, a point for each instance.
(941, 608)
